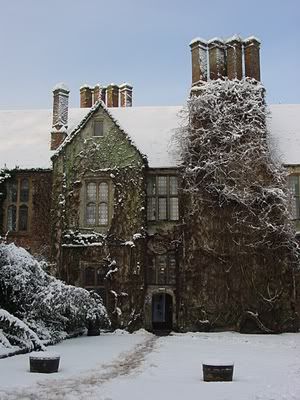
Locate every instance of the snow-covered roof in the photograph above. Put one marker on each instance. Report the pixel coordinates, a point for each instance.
(25, 134)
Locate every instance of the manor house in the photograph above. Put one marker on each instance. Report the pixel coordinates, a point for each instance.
(96, 190)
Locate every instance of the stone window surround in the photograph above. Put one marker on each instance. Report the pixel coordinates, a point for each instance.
(295, 195)
(94, 126)
(168, 196)
(83, 202)
(156, 264)
(18, 204)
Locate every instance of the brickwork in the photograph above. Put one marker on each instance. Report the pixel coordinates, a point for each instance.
(234, 59)
(113, 95)
(126, 95)
(86, 97)
(217, 57)
(56, 139)
(252, 58)
(199, 60)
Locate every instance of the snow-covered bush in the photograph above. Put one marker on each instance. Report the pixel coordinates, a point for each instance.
(37, 306)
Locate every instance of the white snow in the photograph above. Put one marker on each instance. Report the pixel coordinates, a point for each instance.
(62, 86)
(25, 134)
(285, 128)
(141, 366)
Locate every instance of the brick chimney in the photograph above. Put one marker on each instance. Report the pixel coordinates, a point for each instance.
(217, 58)
(60, 115)
(234, 57)
(86, 96)
(252, 59)
(199, 60)
(103, 94)
(126, 95)
(97, 93)
(112, 95)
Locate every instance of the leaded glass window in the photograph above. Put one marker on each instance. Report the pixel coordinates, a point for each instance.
(97, 203)
(12, 218)
(18, 198)
(23, 218)
(24, 190)
(162, 198)
(103, 214)
(91, 214)
(294, 186)
(98, 128)
(162, 270)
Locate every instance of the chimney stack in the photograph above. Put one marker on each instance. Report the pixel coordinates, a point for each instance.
(252, 59)
(103, 94)
(60, 115)
(97, 93)
(126, 95)
(112, 95)
(234, 57)
(217, 58)
(86, 96)
(199, 60)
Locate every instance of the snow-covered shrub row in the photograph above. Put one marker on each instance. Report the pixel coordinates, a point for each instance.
(37, 308)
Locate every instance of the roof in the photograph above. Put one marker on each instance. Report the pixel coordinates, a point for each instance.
(25, 134)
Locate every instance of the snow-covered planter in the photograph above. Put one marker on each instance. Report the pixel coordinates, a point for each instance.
(38, 308)
(217, 371)
(44, 362)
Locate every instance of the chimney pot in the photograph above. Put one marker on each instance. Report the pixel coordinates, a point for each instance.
(234, 57)
(199, 60)
(112, 95)
(86, 96)
(60, 115)
(97, 93)
(217, 58)
(126, 95)
(252, 57)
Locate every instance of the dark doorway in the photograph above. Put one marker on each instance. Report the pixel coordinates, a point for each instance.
(162, 311)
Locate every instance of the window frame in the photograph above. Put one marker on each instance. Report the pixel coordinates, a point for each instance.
(156, 198)
(294, 197)
(155, 266)
(98, 201)
(16, 198)
(95, 285)
(95, 122)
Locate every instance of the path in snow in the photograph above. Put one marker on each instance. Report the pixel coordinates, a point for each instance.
(86, 386)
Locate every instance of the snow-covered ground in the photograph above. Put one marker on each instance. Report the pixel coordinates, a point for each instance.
(121, 366)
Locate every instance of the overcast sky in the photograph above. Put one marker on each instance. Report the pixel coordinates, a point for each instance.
(144, 42)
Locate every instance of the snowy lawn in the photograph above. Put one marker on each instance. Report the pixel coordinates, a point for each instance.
(121, 366)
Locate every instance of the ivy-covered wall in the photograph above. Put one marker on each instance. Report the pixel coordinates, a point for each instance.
(37, 238)
(112, 157)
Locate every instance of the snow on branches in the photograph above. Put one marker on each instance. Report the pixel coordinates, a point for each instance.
(227, 160)
(35, 306)
(239, 243)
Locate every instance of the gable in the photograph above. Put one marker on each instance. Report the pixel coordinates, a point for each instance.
(82, 149)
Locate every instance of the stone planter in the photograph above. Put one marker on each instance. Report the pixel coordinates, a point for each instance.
(93, 328)
(93, 332)
(217, 372)
(44, 362)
